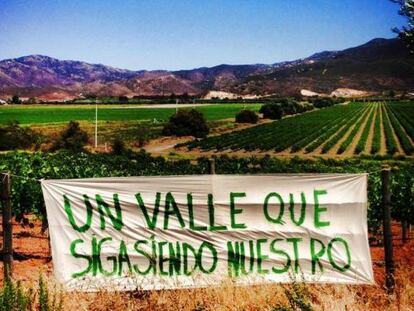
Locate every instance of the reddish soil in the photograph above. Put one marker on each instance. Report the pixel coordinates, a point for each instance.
(32, 255)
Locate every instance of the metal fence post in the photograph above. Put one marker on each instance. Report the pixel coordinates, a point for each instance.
(388, 250)
(7, 226)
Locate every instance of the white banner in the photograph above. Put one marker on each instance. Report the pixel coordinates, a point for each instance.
(193, 231)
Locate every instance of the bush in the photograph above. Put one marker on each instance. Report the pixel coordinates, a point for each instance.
(186, 123)
(118, 146)
(247, 116)
(73, 138)
(303, 107)
(282, 107)
(142, 133)
(326, 101)
(12, 136)
(272, 111)
(291, 107)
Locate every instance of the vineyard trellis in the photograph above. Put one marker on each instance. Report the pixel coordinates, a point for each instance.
(362, 142)
(338, 130)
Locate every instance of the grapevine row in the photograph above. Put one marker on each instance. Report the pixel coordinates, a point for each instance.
(334, 139)
(405, 116)
(279, 135)
(324, 137)
(339, 125)
(345, 144)
(360, 147)
(376, 140)
(389, 135)
(307, 140)
(402, 136)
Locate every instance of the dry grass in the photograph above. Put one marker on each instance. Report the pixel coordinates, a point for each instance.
(227, 296)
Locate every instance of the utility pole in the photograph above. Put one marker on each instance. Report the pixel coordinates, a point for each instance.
(176, 106)
(96, 125)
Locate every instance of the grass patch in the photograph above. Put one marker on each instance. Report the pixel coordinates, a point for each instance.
(59, 114)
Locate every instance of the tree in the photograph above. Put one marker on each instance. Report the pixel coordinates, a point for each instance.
(32, 101)
(323, 102)
(186, 123)
(247, 116)
(142, 133)
(123, 99)
(172, 98)
(185, 97)
(72, 138)
(118, 146)
(15, 100)
(272, 111)
(406, 33)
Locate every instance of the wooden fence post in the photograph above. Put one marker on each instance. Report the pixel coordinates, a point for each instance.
(388, 251)
(404, 231)
(7, 226)
(212, 166)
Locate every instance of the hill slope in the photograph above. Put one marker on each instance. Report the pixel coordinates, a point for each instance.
(378, 65)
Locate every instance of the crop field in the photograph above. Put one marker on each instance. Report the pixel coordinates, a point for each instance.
(353, 129)
(59, 114)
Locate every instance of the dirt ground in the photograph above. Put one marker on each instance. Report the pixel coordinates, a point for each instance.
(32, 255)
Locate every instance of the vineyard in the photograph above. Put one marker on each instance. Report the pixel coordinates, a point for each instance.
(352, 129)
(27, 169)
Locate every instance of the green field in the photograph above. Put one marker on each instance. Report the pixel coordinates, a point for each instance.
(370, 128)
(58, 114)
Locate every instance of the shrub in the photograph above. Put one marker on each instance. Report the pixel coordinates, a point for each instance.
(272, 111)
(290, 108)
(118, 146)
(12, 136)
(303, 107)
(73, 138)
(319, 103)
(326, 102)
(247, 116)
(142, 134)
(284, 106)
(186, 123)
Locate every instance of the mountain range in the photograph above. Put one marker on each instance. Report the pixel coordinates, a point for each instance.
(378, 65)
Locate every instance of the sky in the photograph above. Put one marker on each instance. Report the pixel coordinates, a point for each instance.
(184, 34)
